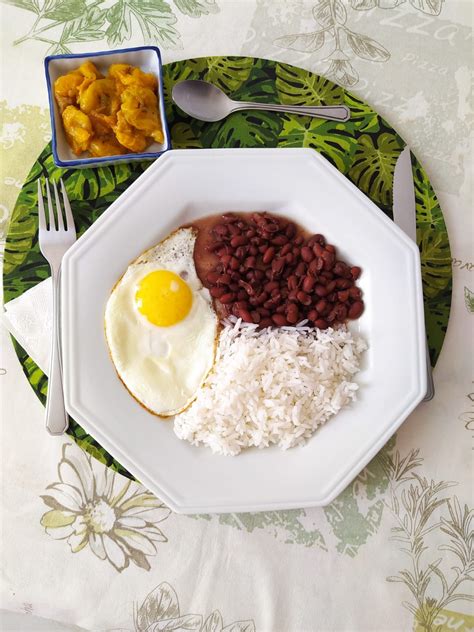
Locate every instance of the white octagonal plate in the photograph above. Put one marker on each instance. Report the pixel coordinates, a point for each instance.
(298, 183)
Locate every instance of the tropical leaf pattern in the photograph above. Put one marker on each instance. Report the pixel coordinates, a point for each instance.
(334, 141)
(301, 87)
(365, 149)
(374, 164)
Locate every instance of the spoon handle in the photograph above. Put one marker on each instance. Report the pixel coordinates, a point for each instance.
(331, 112)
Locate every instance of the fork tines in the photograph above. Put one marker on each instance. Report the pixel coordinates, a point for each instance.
(59, 209)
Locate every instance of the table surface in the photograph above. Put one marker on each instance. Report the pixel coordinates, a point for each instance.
(393, 551)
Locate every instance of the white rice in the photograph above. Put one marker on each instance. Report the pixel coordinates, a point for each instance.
(272, 386)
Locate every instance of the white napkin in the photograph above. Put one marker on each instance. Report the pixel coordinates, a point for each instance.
(29, 319)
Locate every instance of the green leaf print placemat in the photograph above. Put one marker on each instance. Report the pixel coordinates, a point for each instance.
(364, 149)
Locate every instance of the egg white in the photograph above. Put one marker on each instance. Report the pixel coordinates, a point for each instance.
(162, 367)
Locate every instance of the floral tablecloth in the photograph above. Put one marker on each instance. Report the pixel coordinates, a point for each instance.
(395, 550)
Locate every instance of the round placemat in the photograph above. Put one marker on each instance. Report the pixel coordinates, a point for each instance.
(364, 149)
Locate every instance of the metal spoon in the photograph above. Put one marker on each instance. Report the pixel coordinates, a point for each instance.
(207, 102)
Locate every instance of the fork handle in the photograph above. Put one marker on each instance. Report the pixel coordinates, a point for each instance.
(56, 417)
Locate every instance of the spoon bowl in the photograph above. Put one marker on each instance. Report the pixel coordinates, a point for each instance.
(202, 100)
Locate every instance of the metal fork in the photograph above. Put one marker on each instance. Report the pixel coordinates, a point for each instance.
(54, 239)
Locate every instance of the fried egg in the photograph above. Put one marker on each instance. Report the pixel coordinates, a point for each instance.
(161, 327)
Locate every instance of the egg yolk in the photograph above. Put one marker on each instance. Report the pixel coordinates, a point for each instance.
(163, 298)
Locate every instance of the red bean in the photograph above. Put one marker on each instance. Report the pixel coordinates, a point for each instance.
(255, 316)
(343, 296)
(247, 287)
(320, 239)
(234, 263)
(234, 229)
(250, 262)
(224, 279)
(242, 295)
(241, 252)
(321, 290)
(258, 218)
(322, 306)
(290, 230)
(343, 284)
(313, 268)
(285, 250)
(341, 311)
(355, 272)
(241, 304)
(330, 248)
(281, 309)
(303, 298)
(331, 286)
(277, 265)
(340, 268)
(266, 322)
(238, 240)
(329, 259)
(212, 277)
(289, 258)
(331, 317)
(320, 323)
(268, 255)
(318, 249)
(253, 250)
(279, 320)
(245, 315)
(292, 282)
(292, 314)
(273, 227)
(356, 309)
(355, 292)
(271, 285)
(308, 283)
(300, 269)
(217, 292)
(306, 254)
(280, 240)
(312, 315)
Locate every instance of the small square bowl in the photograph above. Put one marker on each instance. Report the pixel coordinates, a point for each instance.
(147, 58)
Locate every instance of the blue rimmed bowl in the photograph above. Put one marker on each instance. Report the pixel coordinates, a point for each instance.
(147, 58)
